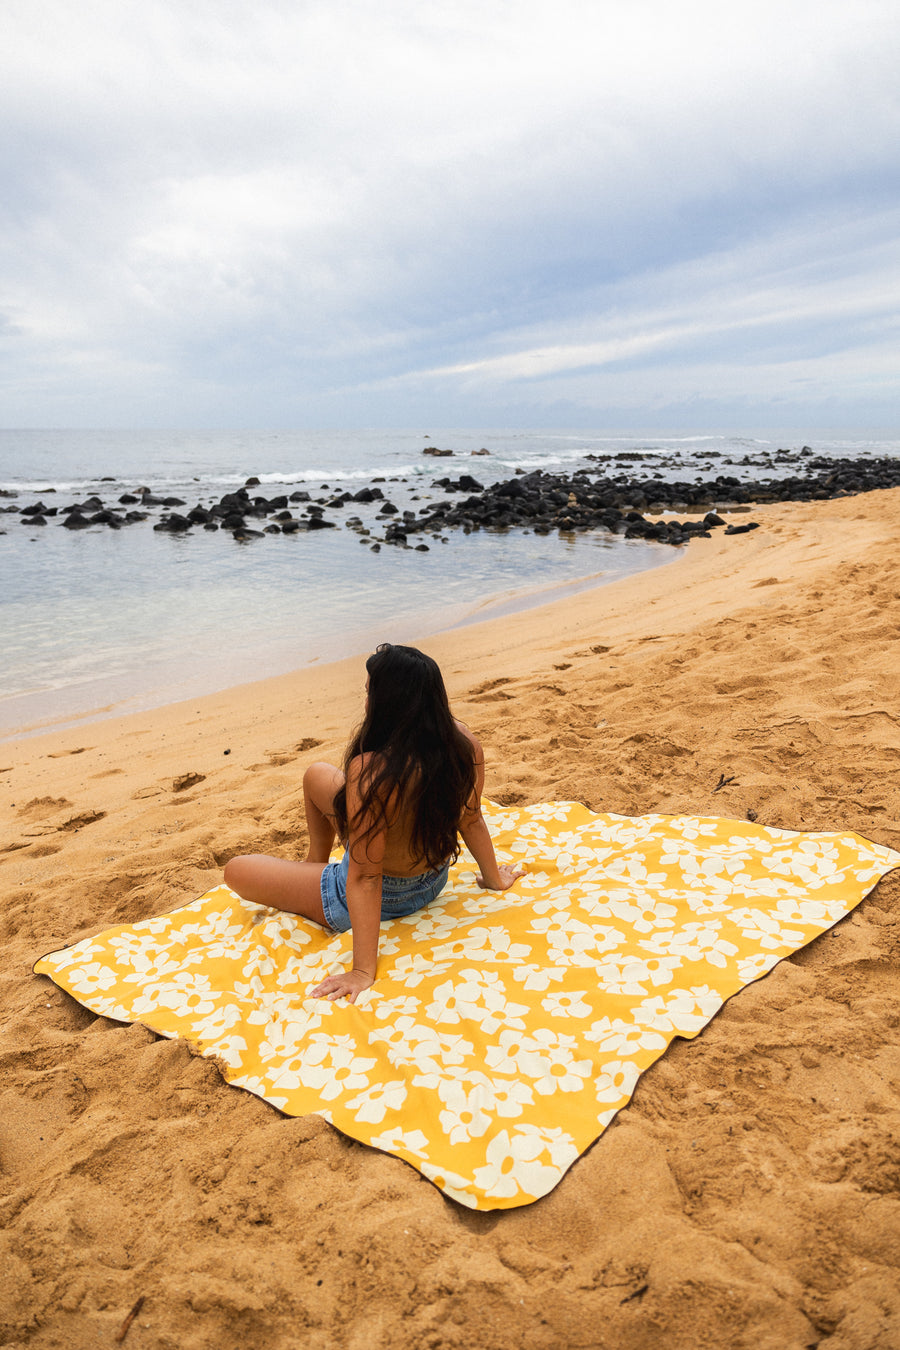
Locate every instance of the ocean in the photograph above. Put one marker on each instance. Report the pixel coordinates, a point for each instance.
(100, 622)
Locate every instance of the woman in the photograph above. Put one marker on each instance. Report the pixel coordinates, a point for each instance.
(411, 782)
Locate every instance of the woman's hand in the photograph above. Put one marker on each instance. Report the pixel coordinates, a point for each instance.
(347, 984)
(507, 873)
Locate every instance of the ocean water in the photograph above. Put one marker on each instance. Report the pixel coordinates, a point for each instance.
(99, 622)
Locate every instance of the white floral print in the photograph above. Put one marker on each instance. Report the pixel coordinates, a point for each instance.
(530, 1161)
(373, 1105)
(505, 1030)
(569, 1004)
(478, 996)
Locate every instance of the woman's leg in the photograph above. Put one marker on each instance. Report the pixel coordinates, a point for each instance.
(292, 886)
(320, 783)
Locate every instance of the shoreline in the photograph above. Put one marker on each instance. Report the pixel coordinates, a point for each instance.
(500, 604)
(91, 646)
(540, 620)
(748, 1189)
(791, 536)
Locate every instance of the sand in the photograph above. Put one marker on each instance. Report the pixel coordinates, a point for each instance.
(747, 1197)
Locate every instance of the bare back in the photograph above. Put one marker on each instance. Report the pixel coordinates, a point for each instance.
(397, 859)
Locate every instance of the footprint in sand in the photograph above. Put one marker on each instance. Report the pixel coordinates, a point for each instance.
(490, 691)
(79, 822)
(487, 685)
(43, 806)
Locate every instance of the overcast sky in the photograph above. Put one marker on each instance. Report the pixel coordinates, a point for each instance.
(605, 213)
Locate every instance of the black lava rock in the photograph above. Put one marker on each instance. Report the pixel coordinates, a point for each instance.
(618, 495)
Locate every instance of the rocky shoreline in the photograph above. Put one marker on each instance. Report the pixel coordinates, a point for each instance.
(610, 497)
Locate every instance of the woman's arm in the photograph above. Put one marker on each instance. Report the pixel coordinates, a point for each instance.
(363, 898)
(476, 835)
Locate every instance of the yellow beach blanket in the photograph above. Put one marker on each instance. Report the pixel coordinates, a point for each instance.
(505, 1030)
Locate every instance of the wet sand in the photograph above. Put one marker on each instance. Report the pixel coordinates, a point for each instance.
(746, 1197)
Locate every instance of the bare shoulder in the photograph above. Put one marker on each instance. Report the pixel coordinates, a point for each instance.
(471, 738)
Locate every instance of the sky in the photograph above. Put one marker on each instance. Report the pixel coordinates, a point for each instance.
(334, 213)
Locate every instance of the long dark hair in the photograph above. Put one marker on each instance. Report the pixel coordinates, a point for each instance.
(418, 759)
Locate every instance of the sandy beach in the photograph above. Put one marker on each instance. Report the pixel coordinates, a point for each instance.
(747, 1197)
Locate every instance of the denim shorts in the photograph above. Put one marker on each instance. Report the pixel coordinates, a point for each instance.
(399, 895)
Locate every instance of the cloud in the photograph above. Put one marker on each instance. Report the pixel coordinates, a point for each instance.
(805, 317)
(841, 279)
(329, 206)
